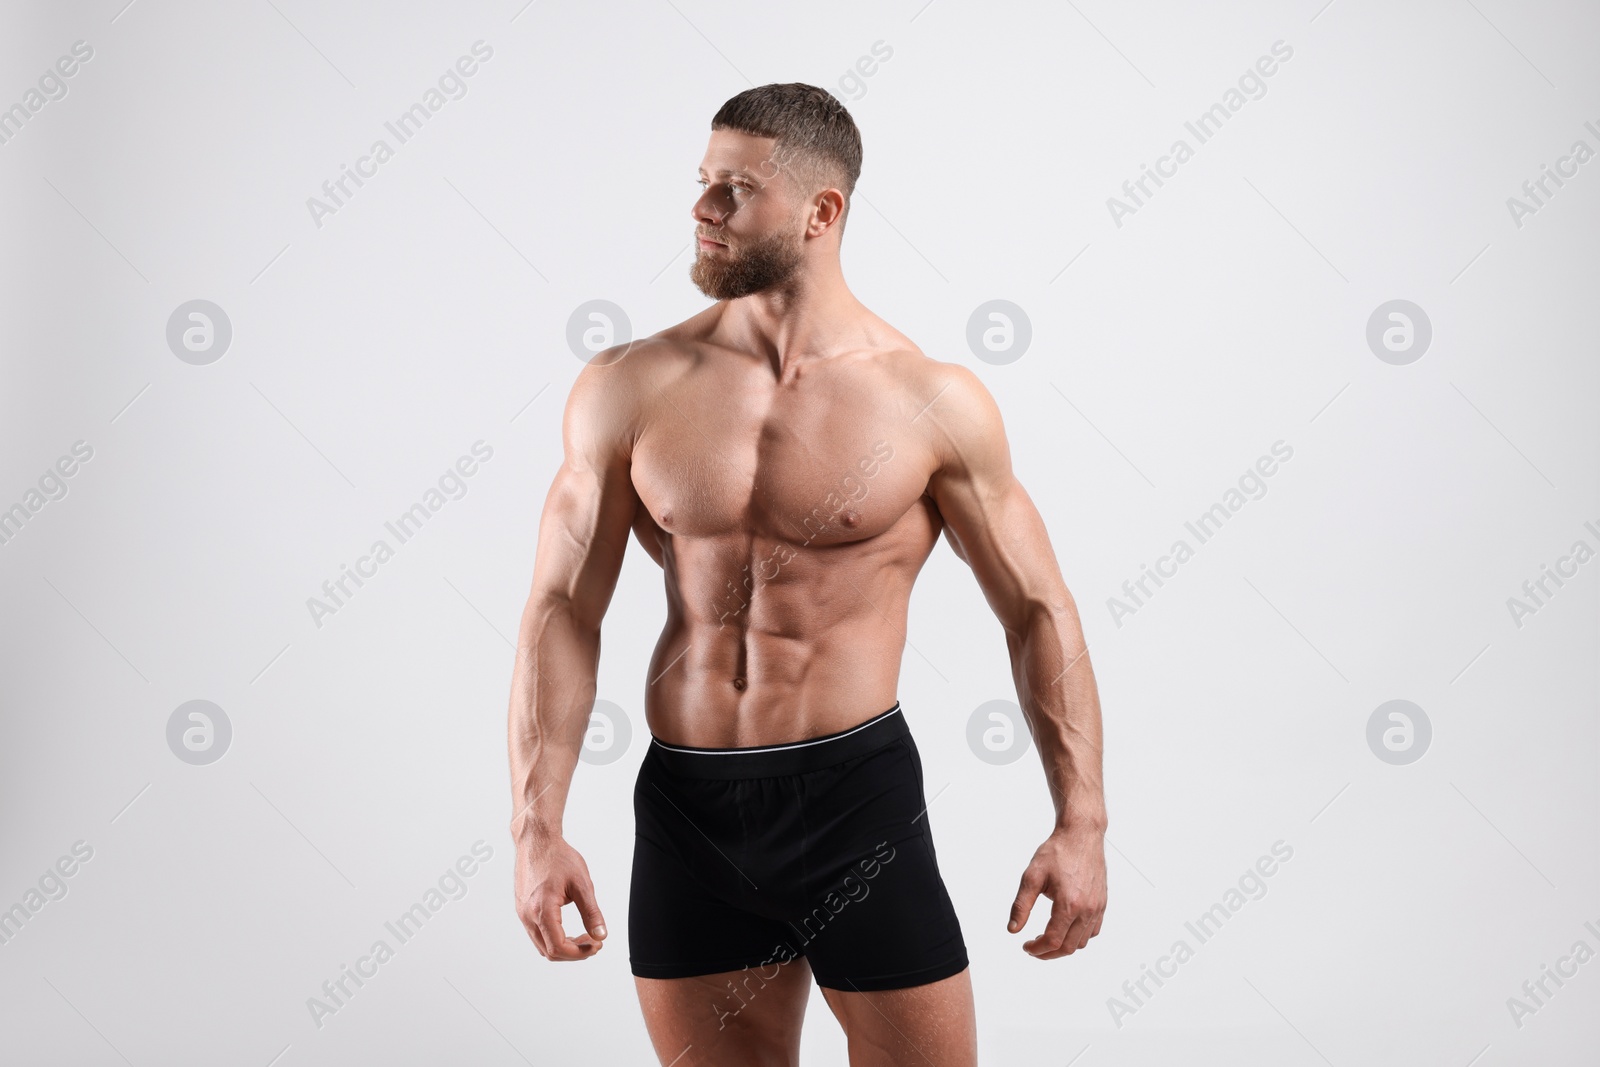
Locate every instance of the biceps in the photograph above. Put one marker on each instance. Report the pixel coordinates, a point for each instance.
(583, 535)
(955, 544)
(1008, 548)
(949, 531)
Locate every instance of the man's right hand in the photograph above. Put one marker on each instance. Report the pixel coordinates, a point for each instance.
(550, 874)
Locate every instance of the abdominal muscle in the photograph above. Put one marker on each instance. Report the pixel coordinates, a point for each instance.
(812, 651)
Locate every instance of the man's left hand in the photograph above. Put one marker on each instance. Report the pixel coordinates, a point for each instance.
(1070, 869)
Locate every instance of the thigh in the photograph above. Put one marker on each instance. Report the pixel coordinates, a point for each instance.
(879, 916)
(931, 1025)
(678, 928)
(887, 923)
(745, 1018)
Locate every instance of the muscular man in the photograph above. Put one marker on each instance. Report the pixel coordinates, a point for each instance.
(789, 460)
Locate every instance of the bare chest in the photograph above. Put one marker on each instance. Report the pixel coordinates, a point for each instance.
(827, 465)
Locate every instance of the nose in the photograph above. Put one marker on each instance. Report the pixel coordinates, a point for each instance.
(705, 210)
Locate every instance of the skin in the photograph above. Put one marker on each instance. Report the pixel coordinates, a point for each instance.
(744, 449)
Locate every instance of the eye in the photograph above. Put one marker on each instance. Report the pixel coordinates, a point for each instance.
(737, 187)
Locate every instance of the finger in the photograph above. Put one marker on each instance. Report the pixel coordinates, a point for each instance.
(589, 909)
(1022, 907)
(530, 923)
(1076, 937)
(1055, 931)
(561, 946)
(1081, 937)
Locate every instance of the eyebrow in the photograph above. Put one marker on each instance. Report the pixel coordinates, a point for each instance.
(745, 173)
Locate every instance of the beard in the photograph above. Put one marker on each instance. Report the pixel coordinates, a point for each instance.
(760, 264)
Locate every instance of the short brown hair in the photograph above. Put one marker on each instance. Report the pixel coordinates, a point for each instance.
(816, 137)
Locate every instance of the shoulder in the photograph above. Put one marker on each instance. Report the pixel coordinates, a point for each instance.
(619, 386)
(957, 413)
(610, 397)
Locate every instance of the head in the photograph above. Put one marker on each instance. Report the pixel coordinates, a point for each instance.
(777, 177)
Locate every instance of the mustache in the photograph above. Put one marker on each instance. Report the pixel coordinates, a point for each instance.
(719, 238)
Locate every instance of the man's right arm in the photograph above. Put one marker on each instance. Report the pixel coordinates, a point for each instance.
(583, 534)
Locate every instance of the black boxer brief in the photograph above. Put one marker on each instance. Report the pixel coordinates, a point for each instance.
(752, 857)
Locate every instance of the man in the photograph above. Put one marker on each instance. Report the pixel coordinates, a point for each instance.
(789, 459)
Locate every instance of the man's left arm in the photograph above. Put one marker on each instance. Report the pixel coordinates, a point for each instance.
(993, 525)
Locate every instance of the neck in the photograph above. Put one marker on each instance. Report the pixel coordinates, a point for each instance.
(802, 321)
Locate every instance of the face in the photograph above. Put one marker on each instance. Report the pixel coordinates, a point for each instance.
(749, 230)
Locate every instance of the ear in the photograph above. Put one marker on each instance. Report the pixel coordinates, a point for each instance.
(826, 210)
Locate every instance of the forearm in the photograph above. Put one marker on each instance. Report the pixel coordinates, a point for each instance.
(1056, 688)
(552, 691)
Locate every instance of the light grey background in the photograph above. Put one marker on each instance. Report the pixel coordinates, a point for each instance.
(1167, 354)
